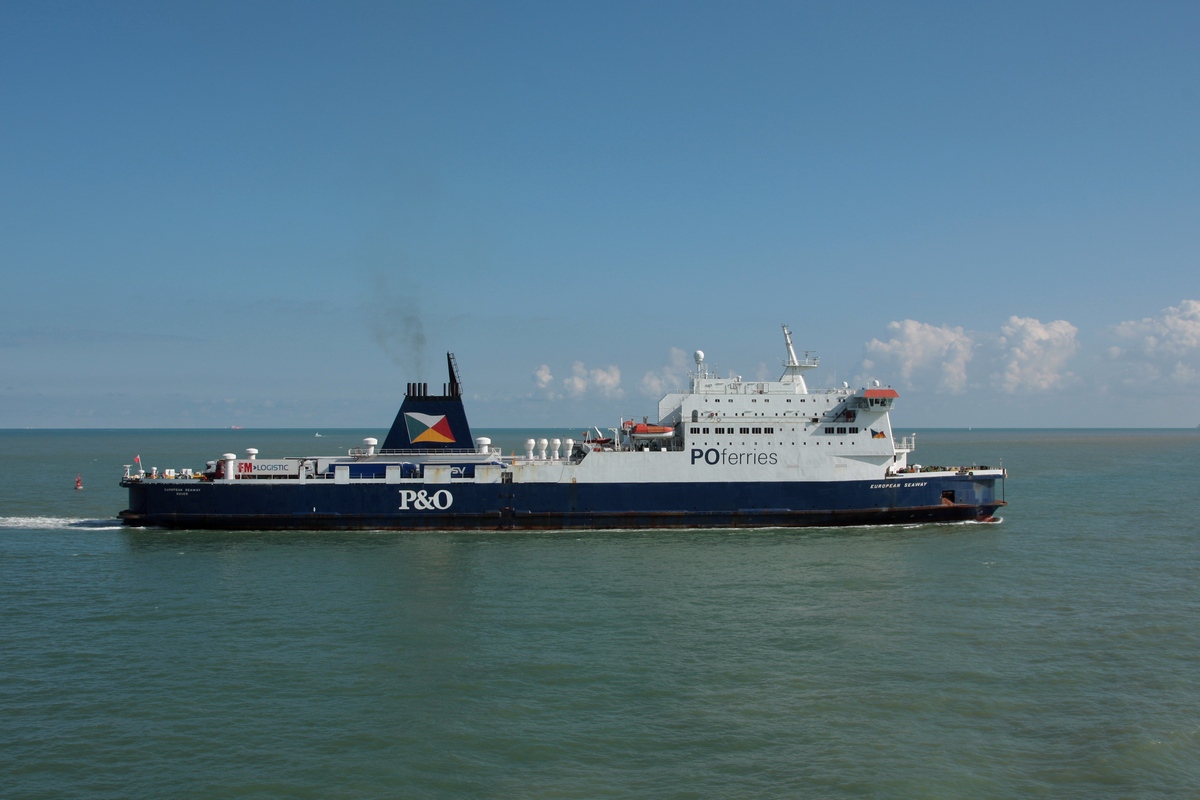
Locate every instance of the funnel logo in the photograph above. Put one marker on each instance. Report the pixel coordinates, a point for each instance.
(428, 428)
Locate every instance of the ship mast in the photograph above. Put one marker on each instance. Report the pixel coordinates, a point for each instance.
(794, 368)
(455, 381)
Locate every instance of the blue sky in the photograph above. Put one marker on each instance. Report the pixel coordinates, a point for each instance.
(277, 214)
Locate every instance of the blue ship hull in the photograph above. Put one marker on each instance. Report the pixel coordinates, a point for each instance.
(323, 505)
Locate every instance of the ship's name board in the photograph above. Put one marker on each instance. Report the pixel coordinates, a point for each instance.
(423, 500)
(906, 485)
(268, 466)
(712, 456)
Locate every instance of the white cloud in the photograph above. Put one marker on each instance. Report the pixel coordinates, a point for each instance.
(1026, 358)
(921, 350)
(1166, 346)
(542, 376)
(1027, 355)
(1035, 354)
(577, 384)
(608, 381)
(670, 377)
(605, 380)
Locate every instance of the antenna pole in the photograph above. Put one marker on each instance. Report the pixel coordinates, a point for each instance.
(787, 337)
(455, 383)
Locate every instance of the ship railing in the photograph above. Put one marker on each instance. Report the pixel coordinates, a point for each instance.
(360, 452)
(923, 469)
(906, 444)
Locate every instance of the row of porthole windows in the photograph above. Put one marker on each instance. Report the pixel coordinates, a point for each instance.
(755, 400)
(831, 429)
(696, 414)
(781, 444)
(743, 431)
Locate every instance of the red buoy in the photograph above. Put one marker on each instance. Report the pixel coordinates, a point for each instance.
(79, 481)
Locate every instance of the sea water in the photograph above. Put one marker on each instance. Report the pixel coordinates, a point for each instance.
(1055, 654)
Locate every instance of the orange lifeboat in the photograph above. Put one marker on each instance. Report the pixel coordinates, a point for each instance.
(644, 432)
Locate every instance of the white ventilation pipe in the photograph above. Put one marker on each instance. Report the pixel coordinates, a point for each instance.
(230, 460)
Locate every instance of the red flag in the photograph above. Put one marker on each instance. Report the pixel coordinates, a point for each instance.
(137, 460)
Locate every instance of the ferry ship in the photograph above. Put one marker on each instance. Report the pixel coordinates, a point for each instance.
(726, 453)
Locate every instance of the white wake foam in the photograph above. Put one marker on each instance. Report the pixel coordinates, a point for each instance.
(61, 523)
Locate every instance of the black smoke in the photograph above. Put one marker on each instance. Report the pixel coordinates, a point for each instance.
(395, 324)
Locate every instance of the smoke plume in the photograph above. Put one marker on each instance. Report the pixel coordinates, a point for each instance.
(395, 324)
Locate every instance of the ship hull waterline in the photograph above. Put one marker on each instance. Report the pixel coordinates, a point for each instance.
(550, 507)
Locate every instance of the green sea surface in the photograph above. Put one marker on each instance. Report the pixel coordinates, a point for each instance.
(1055, 654)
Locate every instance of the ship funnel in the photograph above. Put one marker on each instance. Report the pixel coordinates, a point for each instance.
(431, 422)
